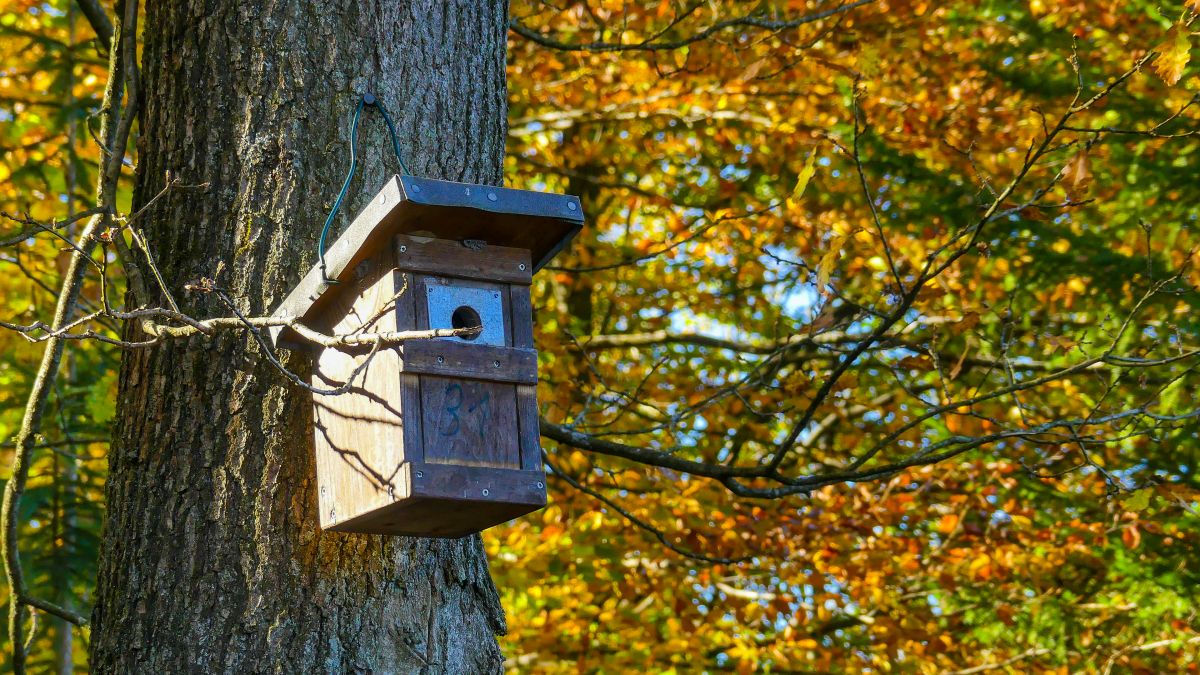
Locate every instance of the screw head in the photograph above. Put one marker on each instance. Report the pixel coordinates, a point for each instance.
(403, 249)
(420, 474)
(485, 492)
(441, 359)
(496, 364)
(521, 267)
(415, 187)
(571, 206)
(540, 484)
(492, 196)
(382, 199)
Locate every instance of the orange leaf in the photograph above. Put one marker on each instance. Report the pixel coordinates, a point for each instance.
(948, 522)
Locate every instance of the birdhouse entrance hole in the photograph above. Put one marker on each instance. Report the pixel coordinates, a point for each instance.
(465, 317)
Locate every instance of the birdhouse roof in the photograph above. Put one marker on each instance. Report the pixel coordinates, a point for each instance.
(540, 222)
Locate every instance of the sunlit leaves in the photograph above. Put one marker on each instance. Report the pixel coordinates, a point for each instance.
(1174, 54)
(931, 571)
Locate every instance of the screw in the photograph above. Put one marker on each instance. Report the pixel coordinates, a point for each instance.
(420, 474)
(332, 515)
(496, 364)
(485, 492)
(403, 249)
(521, 267)
(540, 484)
(441, 359)
(391, 492)
(495, 295)
(415, 187)
(382, 199)
(322, 490)
(571, 205)
(492, 197)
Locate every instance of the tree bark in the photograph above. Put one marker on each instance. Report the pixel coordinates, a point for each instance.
(212, 560)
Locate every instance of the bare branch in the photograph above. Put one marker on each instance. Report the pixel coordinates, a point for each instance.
(98, 19)
(653, 43)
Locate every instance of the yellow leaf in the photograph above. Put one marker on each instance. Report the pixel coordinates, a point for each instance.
(1173, 54)
(806, 174)
(825, 269)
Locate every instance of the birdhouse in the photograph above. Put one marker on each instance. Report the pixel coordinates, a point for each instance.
(435, 437)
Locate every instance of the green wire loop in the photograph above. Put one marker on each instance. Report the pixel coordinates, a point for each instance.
(367, 99)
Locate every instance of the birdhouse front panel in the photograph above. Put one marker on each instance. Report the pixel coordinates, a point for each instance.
(436, 437)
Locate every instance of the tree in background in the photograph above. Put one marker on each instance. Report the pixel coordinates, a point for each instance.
(877, 352)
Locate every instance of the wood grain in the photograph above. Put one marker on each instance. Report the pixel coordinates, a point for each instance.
(446, 258)
(469, 422)
(477, 362)
(359, 435)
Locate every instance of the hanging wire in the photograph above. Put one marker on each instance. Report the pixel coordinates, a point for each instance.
(366, 100)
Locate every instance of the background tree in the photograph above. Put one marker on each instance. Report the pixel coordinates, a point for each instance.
(877, 351)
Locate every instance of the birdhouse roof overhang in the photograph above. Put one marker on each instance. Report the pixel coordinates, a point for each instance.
(543, 223)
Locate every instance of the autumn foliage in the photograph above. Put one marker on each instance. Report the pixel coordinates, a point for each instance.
(878, 351)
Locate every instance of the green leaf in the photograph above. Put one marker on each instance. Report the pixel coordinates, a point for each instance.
(1138, 501)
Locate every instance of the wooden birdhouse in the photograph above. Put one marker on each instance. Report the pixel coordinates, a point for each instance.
(435, 437)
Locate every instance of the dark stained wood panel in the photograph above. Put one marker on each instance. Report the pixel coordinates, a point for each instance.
(469, 422)
(446, 258)
(453, 501)
(477, 362)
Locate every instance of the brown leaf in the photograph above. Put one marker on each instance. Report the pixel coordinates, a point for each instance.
(751, 71)
(1077, 175)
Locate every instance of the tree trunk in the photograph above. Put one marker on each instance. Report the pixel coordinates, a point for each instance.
(212, 559)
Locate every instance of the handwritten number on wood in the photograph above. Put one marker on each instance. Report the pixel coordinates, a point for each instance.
(483, 406)
(453, 393)
(454, 403)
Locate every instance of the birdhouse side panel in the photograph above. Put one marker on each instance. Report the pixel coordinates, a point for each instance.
(528, 430)
(359, 435)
